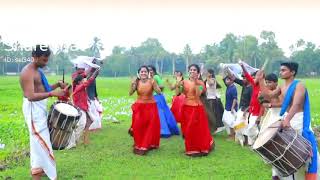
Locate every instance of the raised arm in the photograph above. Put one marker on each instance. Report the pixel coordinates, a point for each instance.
(269, 94)
(236, 80)
(211, 81)
(133, 87)
(265, 92)
(171, 86)
(179, 87)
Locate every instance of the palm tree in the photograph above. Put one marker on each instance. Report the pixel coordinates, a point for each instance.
(187, 53)
(96, 47)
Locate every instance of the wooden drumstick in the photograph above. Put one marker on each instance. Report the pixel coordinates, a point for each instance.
(265, 64)
(62, 75)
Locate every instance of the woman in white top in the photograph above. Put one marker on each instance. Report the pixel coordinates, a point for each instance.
(213, 104)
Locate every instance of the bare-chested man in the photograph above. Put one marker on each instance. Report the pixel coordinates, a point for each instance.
(36, 90)
(272, 105)
(296, 113)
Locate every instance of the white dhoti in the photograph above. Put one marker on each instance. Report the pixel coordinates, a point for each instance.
(252, 130)
(297, 124)
(228, 120)
(273, 115)
(240, 126)
(95, 113)
(77, 132)
(41, 154)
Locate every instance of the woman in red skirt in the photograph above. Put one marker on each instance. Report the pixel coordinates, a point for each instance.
(194, 120)
(145, 126)
(177, 101)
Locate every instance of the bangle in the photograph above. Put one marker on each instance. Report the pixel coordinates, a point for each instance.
(50, 94)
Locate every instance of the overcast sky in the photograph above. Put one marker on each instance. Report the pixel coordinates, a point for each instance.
(175, 23)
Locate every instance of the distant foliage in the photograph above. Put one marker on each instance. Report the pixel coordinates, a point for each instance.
(124, 62)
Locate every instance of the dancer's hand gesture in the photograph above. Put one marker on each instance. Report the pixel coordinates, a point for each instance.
(134, 83)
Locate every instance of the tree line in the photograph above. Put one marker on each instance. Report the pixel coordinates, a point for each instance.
(125, 61)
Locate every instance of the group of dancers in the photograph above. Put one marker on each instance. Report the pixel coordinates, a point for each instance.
(196, 106)
(152, 118)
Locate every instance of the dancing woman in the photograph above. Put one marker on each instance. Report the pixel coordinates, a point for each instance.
(168, 123)
(177, 101)
(213, 104)
(145, 122)
(194, 124)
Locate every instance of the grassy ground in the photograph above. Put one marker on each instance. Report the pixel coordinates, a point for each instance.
(110, 154)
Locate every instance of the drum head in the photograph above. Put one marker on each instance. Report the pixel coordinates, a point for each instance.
(67, 109)
(267, 135)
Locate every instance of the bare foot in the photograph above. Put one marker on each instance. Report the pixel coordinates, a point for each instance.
(139, 152)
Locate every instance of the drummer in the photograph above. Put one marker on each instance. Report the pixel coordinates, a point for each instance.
(295, 110)
(36, 90)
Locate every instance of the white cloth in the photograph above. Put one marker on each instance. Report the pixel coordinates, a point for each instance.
(297, 124)
(211, 90)
(240, 126)
(236, 69)
(41, 154)
(95, 113)
(76, 134)
(252, 130)
(84, 62)
(228, 120)
(273, 115)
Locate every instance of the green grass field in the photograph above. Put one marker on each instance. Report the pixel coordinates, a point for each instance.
(109, 156)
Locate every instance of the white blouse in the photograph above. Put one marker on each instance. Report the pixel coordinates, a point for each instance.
(212, 90)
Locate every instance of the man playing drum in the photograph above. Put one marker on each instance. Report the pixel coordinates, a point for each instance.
(36, 90)
(295, 110)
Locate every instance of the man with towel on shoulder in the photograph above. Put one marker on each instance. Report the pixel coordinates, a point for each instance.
(295, 110)
(36, 90)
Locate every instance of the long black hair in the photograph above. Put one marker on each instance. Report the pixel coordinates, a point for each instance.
(211, 71)
(198, 69)
(180, 73)
(143, 66)
(153, 69)
(196, 66)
